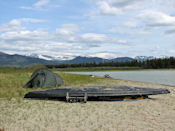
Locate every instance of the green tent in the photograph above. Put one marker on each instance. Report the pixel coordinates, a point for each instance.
(44, 78)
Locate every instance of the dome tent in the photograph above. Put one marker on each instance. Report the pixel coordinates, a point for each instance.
(44, 78)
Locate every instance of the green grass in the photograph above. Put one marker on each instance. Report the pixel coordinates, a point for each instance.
(12, 81)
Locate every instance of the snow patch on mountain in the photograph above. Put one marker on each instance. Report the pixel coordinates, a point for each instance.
(50, 58)
(143, 58)
(60, 58)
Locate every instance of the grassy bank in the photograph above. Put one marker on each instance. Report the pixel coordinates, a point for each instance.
(13, 79)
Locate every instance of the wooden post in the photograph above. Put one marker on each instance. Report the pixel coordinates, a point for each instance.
(67, 96)
(85, 97)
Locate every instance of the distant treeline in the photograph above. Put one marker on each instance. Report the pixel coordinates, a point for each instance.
(148, 64)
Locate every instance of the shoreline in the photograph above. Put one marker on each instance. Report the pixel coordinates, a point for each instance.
(17, 113)
(105, 70)
(136, 76)
(155, 113)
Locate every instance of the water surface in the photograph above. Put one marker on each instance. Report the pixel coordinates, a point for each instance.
(166, 77)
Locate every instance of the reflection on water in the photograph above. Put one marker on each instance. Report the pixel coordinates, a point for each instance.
(166, 77)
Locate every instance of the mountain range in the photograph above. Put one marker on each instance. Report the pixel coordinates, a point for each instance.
(28, 60)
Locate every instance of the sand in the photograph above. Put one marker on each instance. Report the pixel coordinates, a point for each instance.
(157, 113)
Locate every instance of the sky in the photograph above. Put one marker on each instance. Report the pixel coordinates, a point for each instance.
(91, 28)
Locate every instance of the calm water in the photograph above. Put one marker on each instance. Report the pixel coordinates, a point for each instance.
(166, 77)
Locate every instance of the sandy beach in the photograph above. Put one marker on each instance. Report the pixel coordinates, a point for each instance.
(156, 113)
(115, 47)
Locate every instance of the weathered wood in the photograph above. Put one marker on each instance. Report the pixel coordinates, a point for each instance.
(85, 97)
(84, 93)
(75, 98)
(67, 96)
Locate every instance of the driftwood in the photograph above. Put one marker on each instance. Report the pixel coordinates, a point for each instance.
(107, 76)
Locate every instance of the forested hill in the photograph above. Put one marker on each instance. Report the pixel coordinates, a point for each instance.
(24, 61)
(160, 63)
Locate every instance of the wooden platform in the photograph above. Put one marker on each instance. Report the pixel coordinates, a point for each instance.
(95, 92)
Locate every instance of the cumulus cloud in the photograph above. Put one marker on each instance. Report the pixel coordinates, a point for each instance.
(92, 37)
(67, 29)
(11, 26)
(16, 38)
(70, 33)
(15, 24)
(117, 7)
(170, 32)
(150, 14)
(130, 23)
(105, 55)
(130, 31)
(38, 5)
(30, 20)
(41, 3)
(125, 4)
(156, 19)
(172, 51)
(25, 35)
(106, 9)
(66, 39)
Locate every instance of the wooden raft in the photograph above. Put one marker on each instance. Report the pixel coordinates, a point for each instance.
(82, 94)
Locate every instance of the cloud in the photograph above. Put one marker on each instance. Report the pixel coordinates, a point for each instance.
(93, 38)
(41, 3)
(117, 7)
(38, 5)
(11, 26)
(106, 9)
(172, 51)
(130, 31)
(26, 7)
(156, 19)
(67, 33)
(130, 24)
(67, 29)
(130, 7)
(15, 24)
(127, 4)
(105, 55)
(25, 35)
(70, 33)
(170, 32)
(15, 37)
(30, 20)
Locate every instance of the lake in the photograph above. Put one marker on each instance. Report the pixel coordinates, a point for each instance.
(166, 77)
